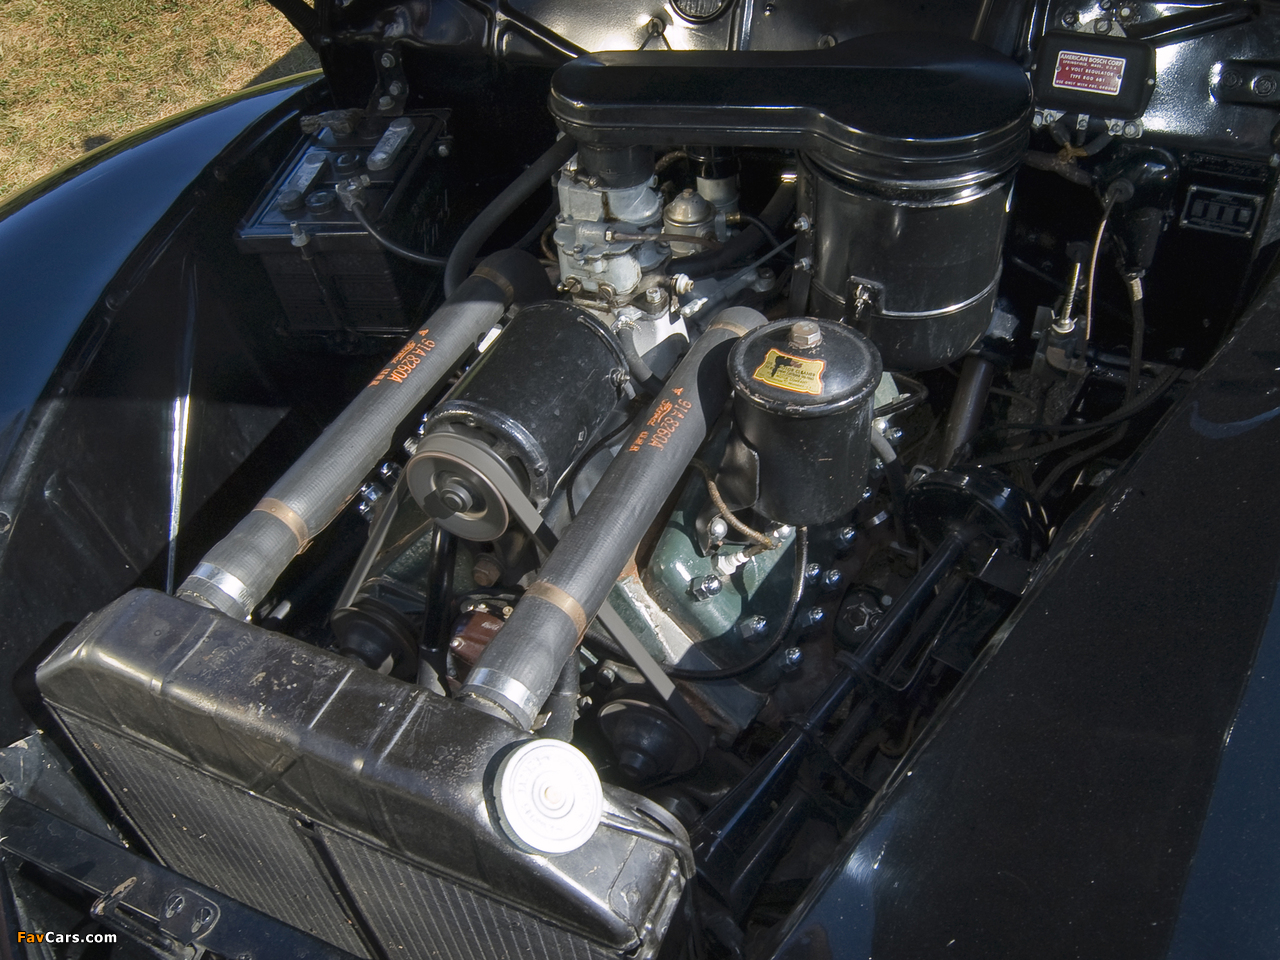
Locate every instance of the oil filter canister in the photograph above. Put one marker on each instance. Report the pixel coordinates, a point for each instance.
(804, 391)
(518, 419)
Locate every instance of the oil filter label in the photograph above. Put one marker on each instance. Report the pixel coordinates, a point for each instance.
(1089, 72)
(797, 374)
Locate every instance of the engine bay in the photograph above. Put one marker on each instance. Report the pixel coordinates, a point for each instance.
(711, 402)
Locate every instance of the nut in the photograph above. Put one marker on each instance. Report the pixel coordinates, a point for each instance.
(812, 617)
(804, 335)
(704, 588)
(681, 284)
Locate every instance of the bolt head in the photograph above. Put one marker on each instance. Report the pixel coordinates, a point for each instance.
(792, 657)
(1102, 26)
(386, 103)
(704, 588)
(812, 572)
(804, 335)
(388, 61)
(753, 626)
(846, 536)
(803, 224)
(718, 528)
(813, 616)
(805, 264)
(1070, 18)
(442, 149)
(832, 579)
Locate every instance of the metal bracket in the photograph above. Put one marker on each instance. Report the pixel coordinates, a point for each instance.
(1254, 82)
(392, 91)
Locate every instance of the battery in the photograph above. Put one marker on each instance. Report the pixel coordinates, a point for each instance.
(334, 280)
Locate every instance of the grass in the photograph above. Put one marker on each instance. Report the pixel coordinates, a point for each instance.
(77, 73)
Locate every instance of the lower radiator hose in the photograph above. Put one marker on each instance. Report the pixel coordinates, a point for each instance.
(519, 667)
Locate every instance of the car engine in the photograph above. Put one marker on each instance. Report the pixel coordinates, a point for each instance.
(734, 372)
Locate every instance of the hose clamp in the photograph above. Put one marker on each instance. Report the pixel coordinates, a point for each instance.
(562, 601)
(227, 583)
(289, 517)
(508, 692)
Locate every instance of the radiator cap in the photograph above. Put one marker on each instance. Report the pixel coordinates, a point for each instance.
(548, 797)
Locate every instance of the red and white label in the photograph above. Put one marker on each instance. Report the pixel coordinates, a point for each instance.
(1088, 72)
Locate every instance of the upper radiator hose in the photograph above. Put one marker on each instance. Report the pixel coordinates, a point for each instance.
(237, 573)
(519, 667)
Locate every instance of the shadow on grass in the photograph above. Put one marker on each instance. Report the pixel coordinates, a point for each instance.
(299, 59)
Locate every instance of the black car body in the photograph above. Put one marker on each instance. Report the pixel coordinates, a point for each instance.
(860, 539)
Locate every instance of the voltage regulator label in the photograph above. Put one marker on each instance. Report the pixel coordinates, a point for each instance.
(797, 374)
(1088, 72)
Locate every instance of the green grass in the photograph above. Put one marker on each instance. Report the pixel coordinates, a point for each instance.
(77, 73)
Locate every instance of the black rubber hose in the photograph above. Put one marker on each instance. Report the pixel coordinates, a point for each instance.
(1136, 345)
(562, 704)
(544, 221)
(501, 207)
(433, 644)
(761, 226)
(779, 635)
(645, 378)
(387, 243)
(1052, 163)
(742, 245)
(518, 668)
(582, 461)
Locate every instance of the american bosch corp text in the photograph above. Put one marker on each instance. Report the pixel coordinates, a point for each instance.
(50, 937)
